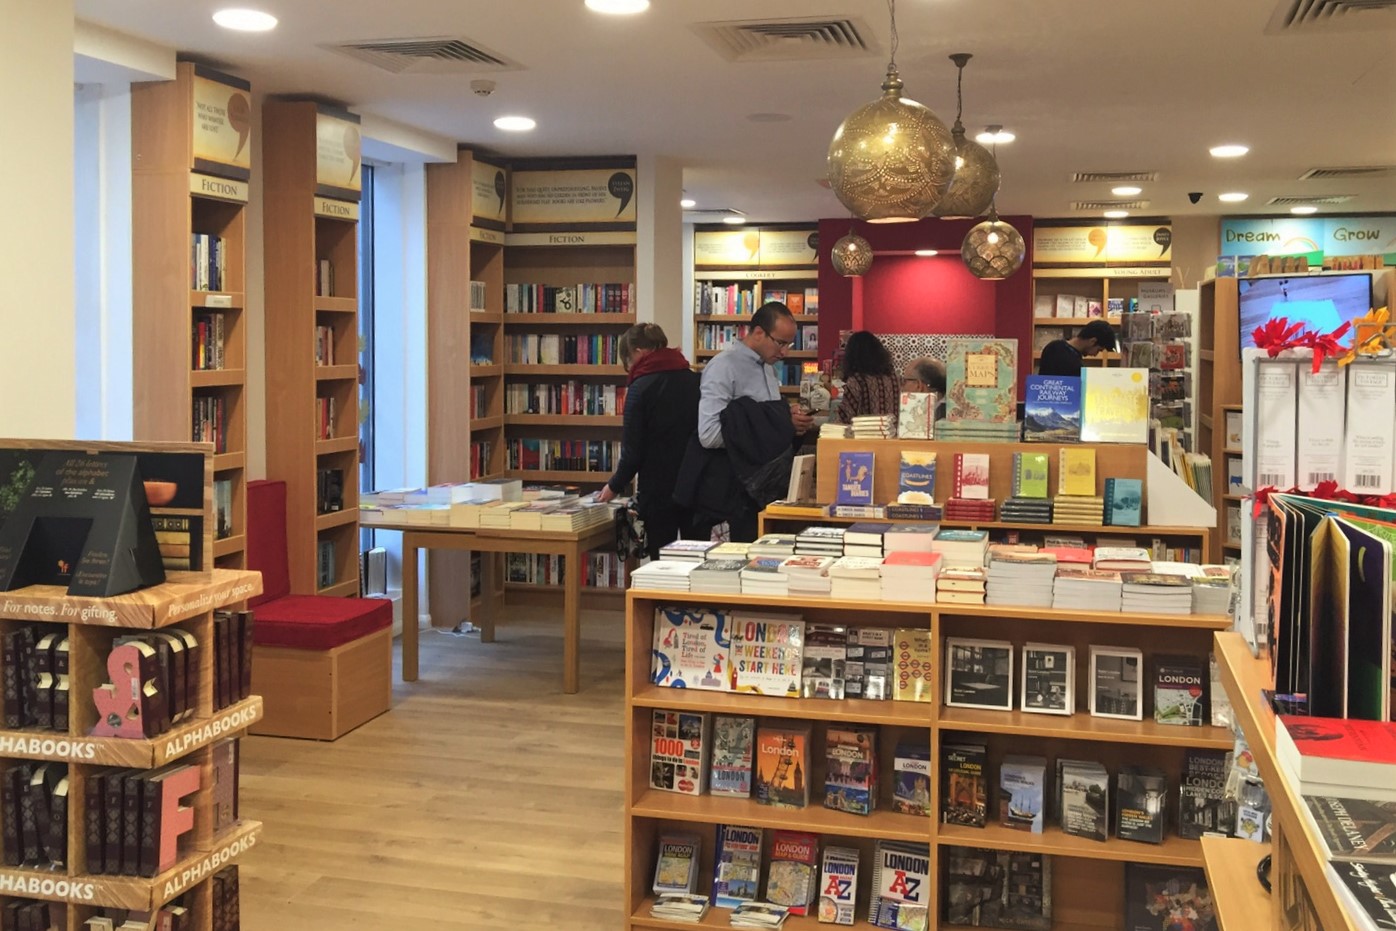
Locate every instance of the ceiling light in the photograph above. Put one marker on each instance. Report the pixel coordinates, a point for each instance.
(1233, 197)
(688, 203)
(515, 124)
(618, 7)
(993, 250)
(244, 20)
(977, 176)
(995, 135)
(1303, 211)
(1229, 151)
(1116, 214)
(1127, 190)
(735, 221)
(852, 255)
(926, 253)
(893, 159)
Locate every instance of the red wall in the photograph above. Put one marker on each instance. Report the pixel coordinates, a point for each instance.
(904, 293)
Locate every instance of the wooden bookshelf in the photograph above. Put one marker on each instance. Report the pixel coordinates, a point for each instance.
(190, 179)
(1217, 388)
(311, 259)
(1088, 881)
(1240, 900)
(188, 601)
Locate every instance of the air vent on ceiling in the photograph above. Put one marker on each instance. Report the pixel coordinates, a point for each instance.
(1312, 15)
(800, 39)
(1110, 205)
(1114, 177)
(1358, 173)
(428, 55)
(1317, 200)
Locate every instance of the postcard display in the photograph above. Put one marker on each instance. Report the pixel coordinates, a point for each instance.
(112, 677)
(1015, 660)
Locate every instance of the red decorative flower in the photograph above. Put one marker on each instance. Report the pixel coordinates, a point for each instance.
(1324, 345)
(1277, 334)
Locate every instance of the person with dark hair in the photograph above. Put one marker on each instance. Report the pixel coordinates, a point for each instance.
(746, 370)
(870, 384)
(661, 412)
(1063, 356)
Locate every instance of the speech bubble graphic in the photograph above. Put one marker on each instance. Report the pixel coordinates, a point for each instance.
(499, 189)
(351, 148)
(240, 119)
(1163, 238)
(1097, 238)
(751, 242)
(622, 187)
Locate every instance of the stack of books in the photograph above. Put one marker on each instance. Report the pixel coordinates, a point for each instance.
(1018, 578)
(832, 429)
(976, 431)
(909, 538)
(819, 541)
(865, 538)
(910, 576)
(773, 544)
(1339, 757)
(717, 576)
(961, 549)
(530, 516)
(763, 575)
(687, 550)
(1027, 510)
(679, 906)
(1212, 590)
(1086, 589)
(731, 550)
(576, 515)
(759, 915)
(971, 510)
(1152, 592)
(874, 426)
(498, 517)
(663, 575)
(856, 578)
(1122, 559)
(1078, 509)
(961, 585)
(809, 575)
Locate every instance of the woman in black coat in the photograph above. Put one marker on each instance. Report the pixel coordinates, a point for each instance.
(661, 413)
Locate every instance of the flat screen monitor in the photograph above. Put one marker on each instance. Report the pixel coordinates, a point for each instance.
(1322, 302)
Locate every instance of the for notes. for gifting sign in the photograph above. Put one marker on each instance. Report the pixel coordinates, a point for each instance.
(593, 195)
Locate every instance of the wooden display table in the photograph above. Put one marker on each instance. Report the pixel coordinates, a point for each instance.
(573, 545)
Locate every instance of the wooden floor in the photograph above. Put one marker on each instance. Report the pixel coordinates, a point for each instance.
(486, 799)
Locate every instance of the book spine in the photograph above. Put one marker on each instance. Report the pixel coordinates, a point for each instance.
(94, 821)
(113, 811)
(131, 825)
(9, 812)
(148, 851)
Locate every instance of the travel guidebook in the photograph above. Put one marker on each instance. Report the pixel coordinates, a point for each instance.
(1052, 409)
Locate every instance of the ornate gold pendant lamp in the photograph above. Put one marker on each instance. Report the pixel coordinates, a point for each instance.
(976, 178)
(852, 255)
(993, 250)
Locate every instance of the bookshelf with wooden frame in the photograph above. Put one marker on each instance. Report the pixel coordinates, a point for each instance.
(1218, 389)
(191, 167)
(1088, 887)
(311, 211)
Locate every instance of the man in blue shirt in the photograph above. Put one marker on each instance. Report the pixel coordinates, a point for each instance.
(745, 370)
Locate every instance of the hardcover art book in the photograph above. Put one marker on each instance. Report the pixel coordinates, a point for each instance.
(979, 674)
(855, 479)
(1052, 409)
(981, 380)
(1115, 686)
(972, 475)
(1354, 828)
(692, 649)
(1075, 471)
(1030, 475)
(1163, 897)
(1049, 679)
(1115, 405)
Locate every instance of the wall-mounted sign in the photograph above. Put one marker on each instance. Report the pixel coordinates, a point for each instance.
(1104, 242)
(555, 198)
(490, 192)
(222, 126)
(576, 238)
(336, 209)
(753, 246)
(218, 188)
(789, 247)
(337, 152)
(1275, 236)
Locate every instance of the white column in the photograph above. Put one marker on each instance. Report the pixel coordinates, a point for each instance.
(659, 266)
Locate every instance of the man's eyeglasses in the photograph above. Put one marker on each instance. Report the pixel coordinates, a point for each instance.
(782, 343)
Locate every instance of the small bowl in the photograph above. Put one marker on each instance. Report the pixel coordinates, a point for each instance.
(160, 494)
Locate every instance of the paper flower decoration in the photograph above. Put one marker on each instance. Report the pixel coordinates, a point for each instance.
(1371, 335)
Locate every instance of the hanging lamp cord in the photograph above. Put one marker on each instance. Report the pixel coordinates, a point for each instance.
(959, 94)
(892, 11)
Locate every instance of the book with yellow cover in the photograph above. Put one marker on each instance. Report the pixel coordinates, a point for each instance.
(1114, 405)
(1076, 471)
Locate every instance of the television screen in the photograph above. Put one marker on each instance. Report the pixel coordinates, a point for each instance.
(1322, 302)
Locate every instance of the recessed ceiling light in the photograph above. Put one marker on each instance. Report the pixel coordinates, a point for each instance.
(515, 124)
(688, 203)
(245, 20)
(927, 252)
(618, 7)
(1127, 190)
(1116, 214)
(1303, 211)
(1232, 197)
(735, 221)
(995, 135)
(1230, 150)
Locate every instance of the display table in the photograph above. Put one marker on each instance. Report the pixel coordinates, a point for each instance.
(574, 545)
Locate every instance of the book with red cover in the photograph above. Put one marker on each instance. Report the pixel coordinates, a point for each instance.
(1071, 555)
(1338, 752)
(972, 475)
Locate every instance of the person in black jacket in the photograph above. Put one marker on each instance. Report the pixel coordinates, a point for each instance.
(661, 413)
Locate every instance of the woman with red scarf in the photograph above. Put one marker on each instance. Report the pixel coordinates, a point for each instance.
(661, 413)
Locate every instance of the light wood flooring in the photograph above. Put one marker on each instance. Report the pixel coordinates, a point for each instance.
(485, 799)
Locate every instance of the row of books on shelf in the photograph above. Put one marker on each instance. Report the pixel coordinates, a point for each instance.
(568, 397)
(608, 298)
(324, 345)
(326, 563)
(481, 454)
(479, 296)
(222, 515)
(207, 262)
(725, 335)
(561, 349)
(482, 347)
(743, 300)
(324, 278)
(527, 453)
(1078, 305)
(479, 402)
(325, 414)
(208, 338)
(598, 570)
(210, 426)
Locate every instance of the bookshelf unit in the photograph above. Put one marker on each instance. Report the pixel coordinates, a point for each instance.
(191, 157)
(1087, 890)
(186, 600)
(1218, 388)
(311, 259)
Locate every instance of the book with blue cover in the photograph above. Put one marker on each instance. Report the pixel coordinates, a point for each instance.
(855, 479)
(1052, 409)
(917, 481)
(981, 377)
(1124, 502)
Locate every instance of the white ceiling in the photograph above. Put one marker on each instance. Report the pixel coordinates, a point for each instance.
(1088, 85)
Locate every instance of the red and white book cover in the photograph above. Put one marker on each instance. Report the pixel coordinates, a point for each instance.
(1337, 751)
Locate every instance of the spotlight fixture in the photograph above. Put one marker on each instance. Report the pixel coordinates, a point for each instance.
(1303, 210)
(1116, 214)
(891, 160)
(688, 203)
(976, 178)
(852, 255)
(618, 7)
(926, 253)
(515, 124)
(995, 134)
(244, 20)
(1230, 150)
(734, 220)
(1232, 197)
(1127, 190)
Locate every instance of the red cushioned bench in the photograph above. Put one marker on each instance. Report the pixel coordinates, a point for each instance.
(322, 665)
